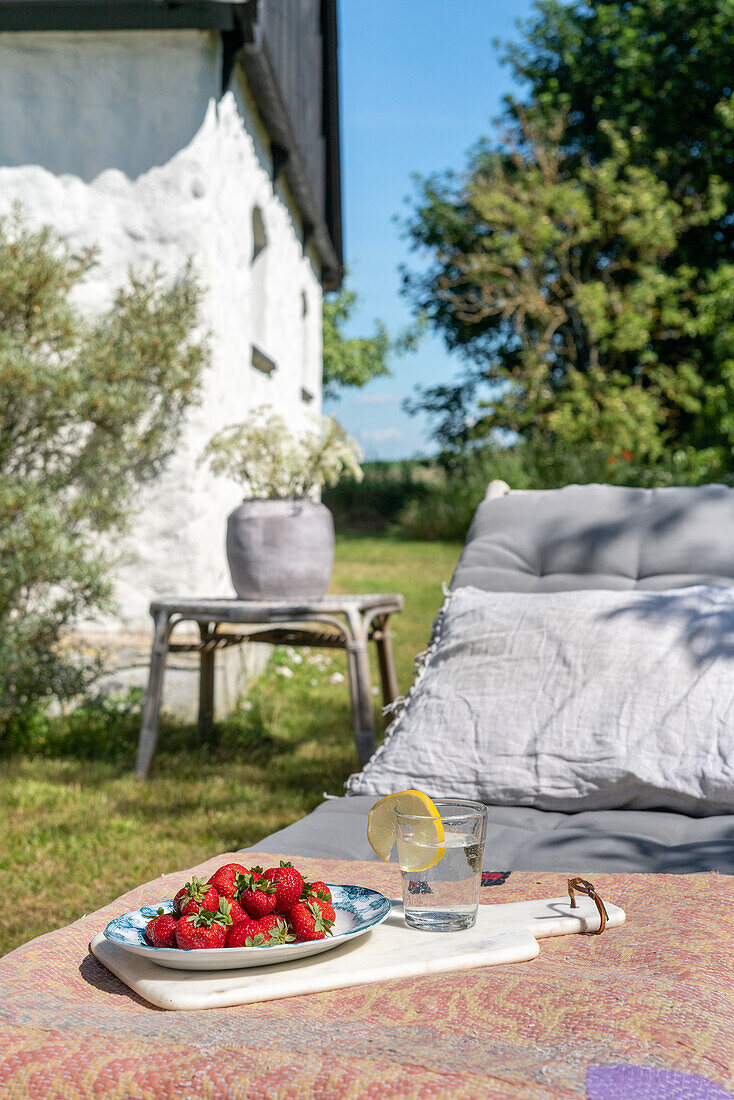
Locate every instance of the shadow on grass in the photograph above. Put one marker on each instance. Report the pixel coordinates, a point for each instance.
(287, 737)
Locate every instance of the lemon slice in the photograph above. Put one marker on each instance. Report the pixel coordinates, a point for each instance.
(427, 846)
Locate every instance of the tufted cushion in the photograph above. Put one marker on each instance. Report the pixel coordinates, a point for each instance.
(601, 536)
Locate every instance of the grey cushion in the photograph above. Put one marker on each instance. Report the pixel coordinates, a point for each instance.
(524, 839)
(571, 701)
(601, 536)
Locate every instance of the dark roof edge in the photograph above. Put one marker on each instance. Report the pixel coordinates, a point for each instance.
(331, 116)
(93, 15)
(258, 69)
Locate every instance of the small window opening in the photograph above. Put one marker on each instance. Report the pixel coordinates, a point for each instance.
(259, 236)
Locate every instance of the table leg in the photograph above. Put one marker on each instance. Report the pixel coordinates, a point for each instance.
(386, 659)
(205, 724)
(360, 687)
(151, 711)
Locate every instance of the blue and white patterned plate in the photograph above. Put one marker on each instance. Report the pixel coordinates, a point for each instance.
(358, 909)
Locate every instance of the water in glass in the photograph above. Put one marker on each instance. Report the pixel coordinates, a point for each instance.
(445, 895)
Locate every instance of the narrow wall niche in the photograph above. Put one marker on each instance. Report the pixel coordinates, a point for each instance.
(307, 385)
(259, 295)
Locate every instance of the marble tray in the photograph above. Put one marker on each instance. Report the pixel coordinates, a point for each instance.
(503, 934)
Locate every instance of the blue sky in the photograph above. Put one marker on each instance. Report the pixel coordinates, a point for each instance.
(420, 82)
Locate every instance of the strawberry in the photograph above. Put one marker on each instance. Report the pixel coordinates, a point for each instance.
(267, 932)
(256, 894)
(236, 911)
(195, 895)
(161, 931)
(242, 931)
(204, 929)
(315, 890)
(224, 879)
(276, 929)
(269, 921)
(307, 922)
(325, 908)
(289, 884)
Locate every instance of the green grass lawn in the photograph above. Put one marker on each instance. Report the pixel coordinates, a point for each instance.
(79, 829)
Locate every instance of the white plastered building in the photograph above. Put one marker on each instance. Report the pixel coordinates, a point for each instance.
(162, 132)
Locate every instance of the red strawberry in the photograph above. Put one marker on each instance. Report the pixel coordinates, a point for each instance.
(325, 908)
(270, 920)
(195, 895)
(224, 879)
(307, 922)
(204, 929)
(256, 894)
(316, 889)
(281, 933)
(242, 931)
(236, 912)
(276, 929)
(289, 884)
(161, 931)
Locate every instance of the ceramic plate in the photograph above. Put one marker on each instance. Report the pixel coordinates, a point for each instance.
(357, 910)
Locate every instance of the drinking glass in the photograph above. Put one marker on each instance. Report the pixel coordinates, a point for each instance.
(443, 896)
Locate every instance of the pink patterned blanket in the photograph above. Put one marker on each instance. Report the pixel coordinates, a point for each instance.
(590, 1013)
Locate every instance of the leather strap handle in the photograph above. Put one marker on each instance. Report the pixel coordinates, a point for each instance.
(583, 886)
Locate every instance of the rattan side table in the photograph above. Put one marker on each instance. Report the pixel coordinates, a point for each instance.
(352, 622)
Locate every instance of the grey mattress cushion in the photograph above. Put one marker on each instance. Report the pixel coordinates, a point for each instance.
(525, 839)
(601, 536)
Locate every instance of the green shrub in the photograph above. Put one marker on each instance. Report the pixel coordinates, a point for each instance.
(89, 410)
(457, 487)
(99, 728)
(455, 491)
(376, 503)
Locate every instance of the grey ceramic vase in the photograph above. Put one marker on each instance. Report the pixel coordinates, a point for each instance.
(280, 549)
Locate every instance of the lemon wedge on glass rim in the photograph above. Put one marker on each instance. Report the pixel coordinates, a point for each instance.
(427, 847)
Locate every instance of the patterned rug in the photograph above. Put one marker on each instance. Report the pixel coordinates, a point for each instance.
(646, 1010)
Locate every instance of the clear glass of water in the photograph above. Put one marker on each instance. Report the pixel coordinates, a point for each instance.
(443, 895)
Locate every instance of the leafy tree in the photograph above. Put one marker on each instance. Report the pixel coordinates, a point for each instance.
(88, 412)
(352, 362)
(554, 274)
(640, 89)
(660, 70)
(662, 74)
(648, 84)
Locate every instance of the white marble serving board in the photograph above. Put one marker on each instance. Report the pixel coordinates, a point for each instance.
(503, 934)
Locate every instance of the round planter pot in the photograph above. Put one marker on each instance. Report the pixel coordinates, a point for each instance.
(280, 549)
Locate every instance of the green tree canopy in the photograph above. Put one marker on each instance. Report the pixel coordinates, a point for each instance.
(88, 412)
(352, 362)
(553, 273)
(583, 264)
(661, 70)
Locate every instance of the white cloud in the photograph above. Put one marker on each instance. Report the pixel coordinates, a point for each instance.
(382, 435)
(376, 399)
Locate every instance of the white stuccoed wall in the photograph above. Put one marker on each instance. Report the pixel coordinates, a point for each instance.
(119, 139)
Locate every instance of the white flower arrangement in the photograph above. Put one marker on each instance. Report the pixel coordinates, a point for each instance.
(270, 462)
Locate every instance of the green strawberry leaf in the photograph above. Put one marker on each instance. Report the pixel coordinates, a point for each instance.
(223, 914)
(203, 919)
(256, 941)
